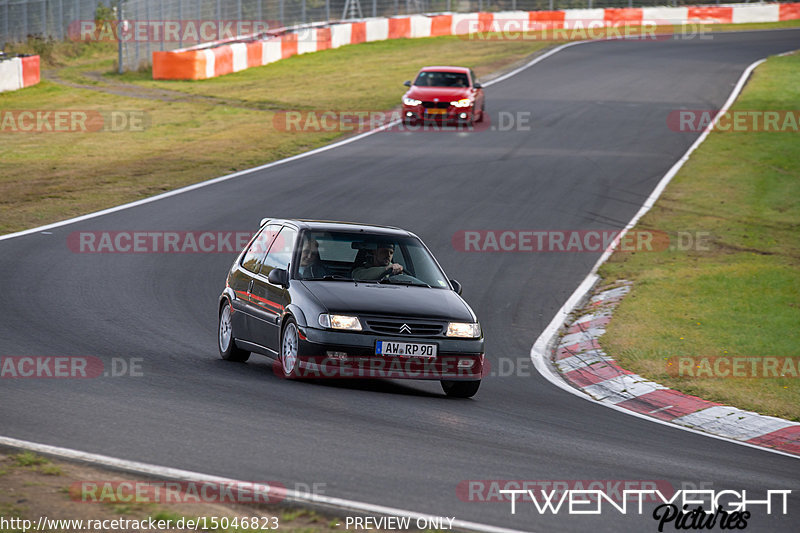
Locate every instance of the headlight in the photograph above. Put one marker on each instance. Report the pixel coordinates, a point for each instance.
(464, 102)
(464, 330)
(411, 101)
(340, 322)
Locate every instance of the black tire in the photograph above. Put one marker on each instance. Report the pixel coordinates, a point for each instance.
(289, 346)
(483, 112)
(226, 338)
(460, 389)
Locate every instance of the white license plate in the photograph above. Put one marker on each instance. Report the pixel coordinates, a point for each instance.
(406, 349)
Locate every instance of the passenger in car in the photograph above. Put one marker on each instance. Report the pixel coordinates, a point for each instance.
(310, 263)
(378, 264)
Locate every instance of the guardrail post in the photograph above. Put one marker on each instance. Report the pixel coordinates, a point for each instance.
(60, 22)
(147, 41)
(6, 37)
(119, 37)
(135, 42)
(180, 21)
(161, 22)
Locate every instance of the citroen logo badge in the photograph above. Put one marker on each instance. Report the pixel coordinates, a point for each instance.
(405, 329)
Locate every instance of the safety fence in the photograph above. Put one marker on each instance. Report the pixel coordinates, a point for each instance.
(210, 20)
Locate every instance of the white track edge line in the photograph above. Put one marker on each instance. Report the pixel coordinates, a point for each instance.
(227, 177)
(540, 347)
(187, 475)
(166, 471)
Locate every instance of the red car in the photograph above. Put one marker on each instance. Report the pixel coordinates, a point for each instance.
(450, 95)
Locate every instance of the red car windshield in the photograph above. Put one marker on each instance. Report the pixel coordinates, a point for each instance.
(442, 79)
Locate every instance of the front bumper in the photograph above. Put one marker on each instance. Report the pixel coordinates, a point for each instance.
(453, 115)
(334, 354)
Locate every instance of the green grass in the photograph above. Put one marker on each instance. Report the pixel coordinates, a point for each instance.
(219, 125)
(29, 459)
(51, 470)
(9, 512)
(204, 128)
(741, 296)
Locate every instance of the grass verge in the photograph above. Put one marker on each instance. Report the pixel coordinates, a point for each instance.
(28, 493)
(197, 130)
(740, 294)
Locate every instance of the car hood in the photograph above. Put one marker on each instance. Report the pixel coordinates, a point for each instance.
(390, 300)
(442, 93)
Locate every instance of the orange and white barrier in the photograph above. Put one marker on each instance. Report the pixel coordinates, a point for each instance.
(224, 57)
(19, 72)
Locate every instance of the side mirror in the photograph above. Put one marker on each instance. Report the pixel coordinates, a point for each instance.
(407, 84)
(279, 276)
(477, 85)
(456, 286)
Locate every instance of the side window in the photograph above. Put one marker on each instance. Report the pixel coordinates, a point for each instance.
(280, 253)
(252, 259)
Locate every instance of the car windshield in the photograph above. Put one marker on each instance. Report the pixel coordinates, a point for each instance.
(373, 258)
(442, 79)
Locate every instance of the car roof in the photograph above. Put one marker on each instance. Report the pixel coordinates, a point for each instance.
(333, 225)
(445, 69)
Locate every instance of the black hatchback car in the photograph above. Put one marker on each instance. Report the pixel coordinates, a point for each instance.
(341, 300)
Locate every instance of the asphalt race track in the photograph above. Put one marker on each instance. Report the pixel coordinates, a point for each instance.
(598, 145)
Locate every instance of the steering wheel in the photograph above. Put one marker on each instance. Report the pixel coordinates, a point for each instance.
(390, 272)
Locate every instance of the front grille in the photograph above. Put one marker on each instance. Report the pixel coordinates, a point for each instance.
(396, 327)
(436, 105)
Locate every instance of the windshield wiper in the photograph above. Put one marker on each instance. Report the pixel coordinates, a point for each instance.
(329, 277)
(404, 282)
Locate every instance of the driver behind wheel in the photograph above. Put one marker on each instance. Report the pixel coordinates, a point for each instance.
(379, 264)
